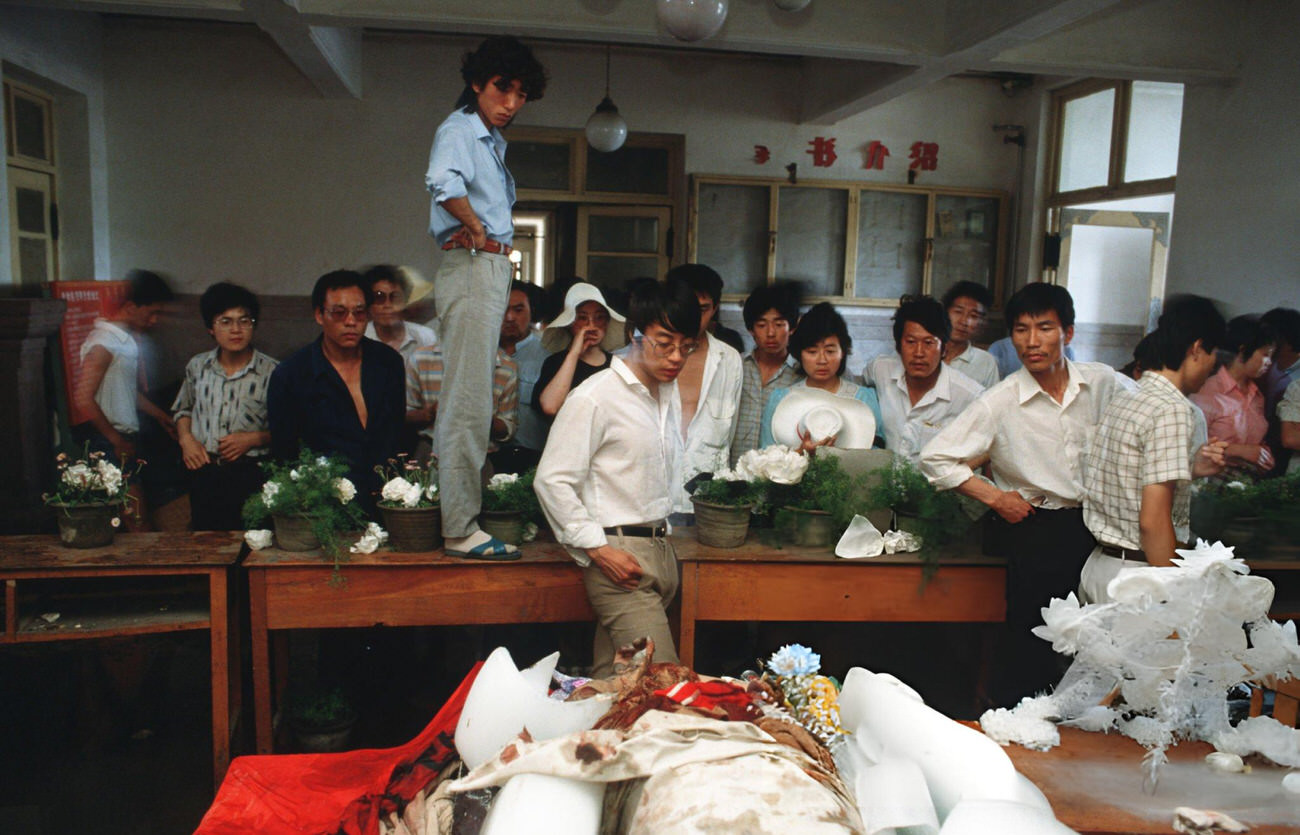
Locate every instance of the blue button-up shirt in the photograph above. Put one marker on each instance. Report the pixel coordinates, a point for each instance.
(309, 404)
(469, 160)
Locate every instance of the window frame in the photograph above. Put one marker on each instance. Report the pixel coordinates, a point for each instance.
(855, 189)
(1116, 188)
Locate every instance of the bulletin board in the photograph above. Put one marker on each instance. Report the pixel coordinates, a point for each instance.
(87, 301)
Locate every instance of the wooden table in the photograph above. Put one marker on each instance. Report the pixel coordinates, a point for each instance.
(762, 582)
(36, 571)
(1094, 783)
(289, 590)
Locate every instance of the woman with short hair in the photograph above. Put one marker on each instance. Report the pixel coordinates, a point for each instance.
(821, 343)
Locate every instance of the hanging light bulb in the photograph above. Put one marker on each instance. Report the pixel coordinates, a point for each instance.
(791, 5)
(606, 131)
(691, 20)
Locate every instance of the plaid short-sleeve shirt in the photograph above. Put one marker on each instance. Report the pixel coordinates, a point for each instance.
(1145, 437)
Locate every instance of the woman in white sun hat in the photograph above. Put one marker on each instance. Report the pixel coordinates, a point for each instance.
(823, 408)
(581, 341)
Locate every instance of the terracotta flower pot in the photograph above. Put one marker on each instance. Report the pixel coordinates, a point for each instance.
(506, 525)
(720, 525)
(413, 528)
(294, 533)
(87, 525)
(811, 528)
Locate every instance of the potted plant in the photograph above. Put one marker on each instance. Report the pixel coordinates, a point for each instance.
(310, 502)
(1258, 517)
(510, 508)
(935, 517)
(90, 497)
(725, 501)
(409, 504)
(816, 508)
(723, 504)
(322, 720)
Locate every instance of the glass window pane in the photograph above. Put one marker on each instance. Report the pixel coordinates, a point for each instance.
(29, 128)
(1155, 118)
(617, 271)
(629, 169)
(965, 242)
(810, 238)
(542, 165)
(891, 244)
(732, 234)
(613, 233)
(31, 210)
(1085, 141)
(33, 260)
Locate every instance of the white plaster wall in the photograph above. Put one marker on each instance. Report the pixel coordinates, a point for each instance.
(225, 162)
(1238, 194)
(62, 51)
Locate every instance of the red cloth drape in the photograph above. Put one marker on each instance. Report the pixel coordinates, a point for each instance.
(325, 794)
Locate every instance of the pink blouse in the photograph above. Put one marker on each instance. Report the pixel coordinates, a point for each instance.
(1233, 413)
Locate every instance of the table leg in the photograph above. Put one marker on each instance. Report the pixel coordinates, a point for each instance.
(219, 630)
(690, 590)
(260, 649)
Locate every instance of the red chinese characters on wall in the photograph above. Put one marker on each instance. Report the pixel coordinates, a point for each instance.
(823, 152)
(876, 153)
(923, 156)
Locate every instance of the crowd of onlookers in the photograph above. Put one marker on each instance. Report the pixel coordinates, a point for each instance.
(1076, 459)
(234, 407)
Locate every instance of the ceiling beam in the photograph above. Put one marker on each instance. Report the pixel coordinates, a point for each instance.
(977, 33)
(329, 56)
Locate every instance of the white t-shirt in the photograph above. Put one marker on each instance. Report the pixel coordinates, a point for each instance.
(116, 392)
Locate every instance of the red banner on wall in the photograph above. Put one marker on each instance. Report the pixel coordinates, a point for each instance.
(87, 301)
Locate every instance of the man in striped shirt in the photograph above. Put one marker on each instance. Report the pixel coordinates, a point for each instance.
(424, 372)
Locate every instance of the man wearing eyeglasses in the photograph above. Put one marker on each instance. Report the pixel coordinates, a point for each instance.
(919, 394)
(220, 411)
(608, 474)
(473, 194)
(342, 393)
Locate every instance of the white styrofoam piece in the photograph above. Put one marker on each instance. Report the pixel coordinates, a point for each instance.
(541, 804)
(893, 794)
(984, 816)
(959, 763)
(504, 701)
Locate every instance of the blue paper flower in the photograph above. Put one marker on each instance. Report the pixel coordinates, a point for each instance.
(794, 660)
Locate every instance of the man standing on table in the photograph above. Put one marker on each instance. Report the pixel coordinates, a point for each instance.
(1035, 427)
(473, 194)
(606, 478)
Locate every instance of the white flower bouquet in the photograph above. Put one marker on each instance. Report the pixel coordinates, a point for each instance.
(313, 488)
(92, 479)
(407, 484)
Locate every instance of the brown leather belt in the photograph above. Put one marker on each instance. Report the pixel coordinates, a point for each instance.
(1123, 553)
(495, 247)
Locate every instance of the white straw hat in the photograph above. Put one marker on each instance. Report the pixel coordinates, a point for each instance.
(823, 415)
(556, 336)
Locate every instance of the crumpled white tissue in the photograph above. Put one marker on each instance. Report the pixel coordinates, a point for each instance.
(860, 539)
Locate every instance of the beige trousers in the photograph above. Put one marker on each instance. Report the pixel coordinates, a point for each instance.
(623, 615)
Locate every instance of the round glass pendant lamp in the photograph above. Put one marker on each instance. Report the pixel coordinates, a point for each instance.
(606, 131)
(691, 20)
(791, 5)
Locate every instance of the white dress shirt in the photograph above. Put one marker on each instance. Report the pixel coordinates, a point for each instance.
(707, 445)
(610, 458)
(1036, 445)
(414, 336)
(908, 428)
(977, 364)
